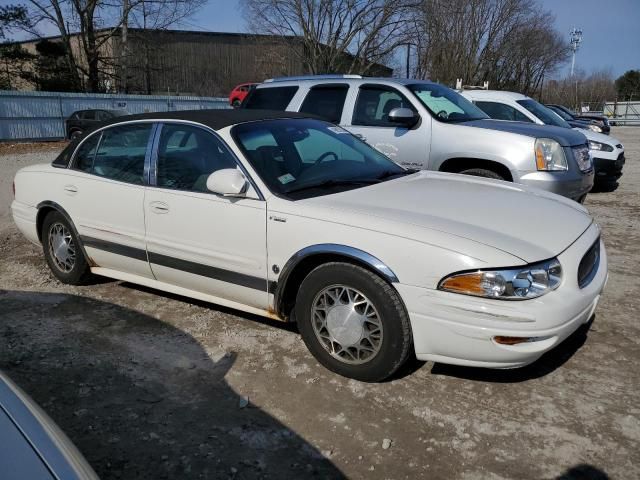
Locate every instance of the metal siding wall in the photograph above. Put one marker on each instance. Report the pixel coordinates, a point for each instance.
(41, 115)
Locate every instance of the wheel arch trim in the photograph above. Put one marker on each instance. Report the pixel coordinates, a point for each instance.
(57, 207)
(353, 253)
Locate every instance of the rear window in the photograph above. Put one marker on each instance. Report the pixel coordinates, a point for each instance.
(326, 102)
(276, 98)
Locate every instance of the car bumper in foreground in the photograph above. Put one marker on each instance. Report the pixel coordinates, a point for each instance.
(462, 330)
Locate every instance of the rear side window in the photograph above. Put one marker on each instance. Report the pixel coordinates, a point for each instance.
(501, 111)
(276, 98)
(188, 155)
(88, 115)
(326, 102)
(374, 105)
(120, 155)
(62, 160)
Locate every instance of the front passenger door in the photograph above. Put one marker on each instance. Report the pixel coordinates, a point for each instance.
(197, 239)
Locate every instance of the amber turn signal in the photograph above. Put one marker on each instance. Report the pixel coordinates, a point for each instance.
(470, 284)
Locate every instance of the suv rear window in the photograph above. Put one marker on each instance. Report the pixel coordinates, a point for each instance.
(326, 102)
(276, 98)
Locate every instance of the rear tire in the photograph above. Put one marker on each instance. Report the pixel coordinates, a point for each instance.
(353, 322)
(482, 172)
(62, 250)
(236, 103)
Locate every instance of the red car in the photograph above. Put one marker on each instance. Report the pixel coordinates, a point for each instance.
(239, 93)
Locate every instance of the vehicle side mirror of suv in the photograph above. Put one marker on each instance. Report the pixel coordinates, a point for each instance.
(404, 116)
(229, 182)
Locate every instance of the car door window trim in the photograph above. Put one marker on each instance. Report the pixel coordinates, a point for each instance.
(153, 180)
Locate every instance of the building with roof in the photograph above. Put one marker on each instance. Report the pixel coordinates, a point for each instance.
(194, 63)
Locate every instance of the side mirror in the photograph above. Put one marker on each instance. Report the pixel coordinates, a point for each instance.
(403, 116)
(229, 182)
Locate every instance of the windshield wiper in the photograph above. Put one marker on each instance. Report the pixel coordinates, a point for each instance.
(334, 183)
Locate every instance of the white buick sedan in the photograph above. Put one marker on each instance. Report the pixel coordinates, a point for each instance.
(296, 219)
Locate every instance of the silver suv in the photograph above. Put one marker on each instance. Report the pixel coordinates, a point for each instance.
(425, 125)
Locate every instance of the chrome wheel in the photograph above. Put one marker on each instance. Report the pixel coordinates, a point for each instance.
(61, 247)
(347, 324)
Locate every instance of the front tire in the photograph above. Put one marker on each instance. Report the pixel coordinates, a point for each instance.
(353, 322)
(62, 251)
(482, 172)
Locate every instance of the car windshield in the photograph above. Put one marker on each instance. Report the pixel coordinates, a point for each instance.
(445, 104)
(562, 113)
(308, 158)
(118, 113)
(544, 114)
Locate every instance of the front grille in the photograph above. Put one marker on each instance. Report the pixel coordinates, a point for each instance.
(583, 158)
(589, 265)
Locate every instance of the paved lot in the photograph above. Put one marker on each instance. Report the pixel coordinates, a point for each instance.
(150, 385)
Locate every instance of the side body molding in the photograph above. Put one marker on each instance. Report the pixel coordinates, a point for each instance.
(360, 256)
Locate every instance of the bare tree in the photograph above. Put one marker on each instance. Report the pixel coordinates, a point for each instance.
(509, 43)
(593, 89)
(87, 27)
(347, 36)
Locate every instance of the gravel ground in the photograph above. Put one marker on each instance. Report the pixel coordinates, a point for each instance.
(150, 385)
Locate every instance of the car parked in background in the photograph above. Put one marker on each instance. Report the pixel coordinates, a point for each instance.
(239, 93)
(85, 120)
(31, 445)
(296, 219)
(607, 152)
(574, 122)
(600, 120)
(424, 125)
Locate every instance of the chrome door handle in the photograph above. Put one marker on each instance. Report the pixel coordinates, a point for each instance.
(159, 207)
(71, 189)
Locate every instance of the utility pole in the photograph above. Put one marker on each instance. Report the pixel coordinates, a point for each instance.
(408, 57)
(575, 39)
(123, 39)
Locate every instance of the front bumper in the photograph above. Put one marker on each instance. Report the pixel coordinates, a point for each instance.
(460, 330)
(572, 184)
(608, 170)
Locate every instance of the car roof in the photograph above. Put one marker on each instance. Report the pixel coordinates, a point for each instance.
(216, 119)
(323, 79)
(494, 94)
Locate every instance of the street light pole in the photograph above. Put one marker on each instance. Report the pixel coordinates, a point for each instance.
(408, 57)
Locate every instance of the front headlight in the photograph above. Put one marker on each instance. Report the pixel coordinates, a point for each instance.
(549, 155)
(599, 146)
(595, 128)
(519, 283)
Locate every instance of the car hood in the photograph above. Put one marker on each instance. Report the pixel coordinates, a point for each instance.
(525, 222)
(566, 137)
(601, 137)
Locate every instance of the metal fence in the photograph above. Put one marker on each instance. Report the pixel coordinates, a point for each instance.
(623, 113)
(41, 115)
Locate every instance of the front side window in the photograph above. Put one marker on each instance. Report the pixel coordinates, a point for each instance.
(501, 111)
(120, 155)
(326, 102)
(276, 98)
(187, 155)
(307, 158)
(85, 155)
(445, 104)
(374, 105)
(544, 114)
(88, 115)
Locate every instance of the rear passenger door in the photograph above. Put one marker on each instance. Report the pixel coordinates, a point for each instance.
(197, 239)
(370, 121)
(104, 192)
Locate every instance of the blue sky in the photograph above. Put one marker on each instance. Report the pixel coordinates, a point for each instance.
(611, 28)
